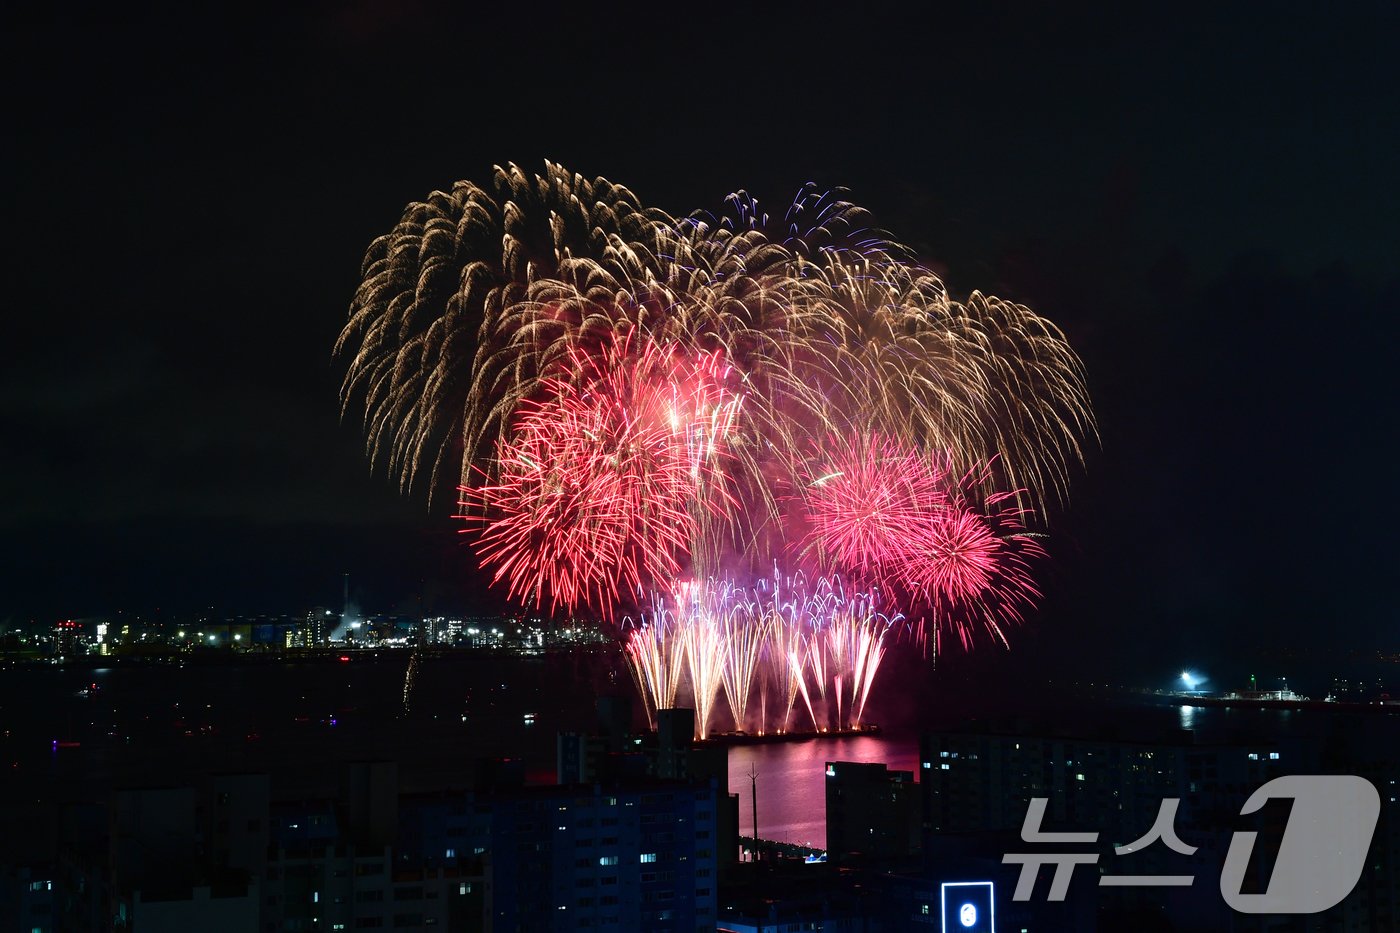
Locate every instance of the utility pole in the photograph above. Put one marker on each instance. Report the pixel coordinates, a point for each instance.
(753, 792)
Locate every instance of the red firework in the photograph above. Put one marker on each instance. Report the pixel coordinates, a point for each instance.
(961, 555)
(972, 565)
(602, 483)
(884, 514)
(866, 501)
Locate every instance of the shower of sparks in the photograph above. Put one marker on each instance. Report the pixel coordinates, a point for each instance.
(628, 401)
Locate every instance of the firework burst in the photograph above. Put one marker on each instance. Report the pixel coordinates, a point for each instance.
(628, 400)
(971, 562)
(823, 642)
(606, 482)
(869, 495)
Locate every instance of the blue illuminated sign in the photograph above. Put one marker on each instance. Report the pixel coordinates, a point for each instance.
(967, 907)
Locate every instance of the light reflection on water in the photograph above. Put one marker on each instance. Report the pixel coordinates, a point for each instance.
(792, 781)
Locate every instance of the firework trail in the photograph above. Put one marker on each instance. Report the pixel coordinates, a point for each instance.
(785, 648)
(704, 654)
(826, 643)
(628, 400)
(656, 657)
(743, 633)
(470, 302)
(855, 643)
(456, 268)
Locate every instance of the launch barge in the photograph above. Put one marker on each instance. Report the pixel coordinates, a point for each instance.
(791, 735)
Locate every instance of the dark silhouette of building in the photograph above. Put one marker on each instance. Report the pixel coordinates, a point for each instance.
(870, 811)
(977, 783)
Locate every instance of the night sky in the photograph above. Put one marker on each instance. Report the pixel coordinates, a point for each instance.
(1206, 202)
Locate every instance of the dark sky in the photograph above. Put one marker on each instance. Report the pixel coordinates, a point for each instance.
(1206, 201)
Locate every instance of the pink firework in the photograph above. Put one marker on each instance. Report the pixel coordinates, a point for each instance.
(603, 483)
(777, 640)
(972, 565)
(887, 515)
(863, 501)
(963, 555)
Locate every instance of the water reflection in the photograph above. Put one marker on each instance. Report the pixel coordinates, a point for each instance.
(792, 781)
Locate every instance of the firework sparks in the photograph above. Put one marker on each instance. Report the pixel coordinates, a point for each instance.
(825, 643)
(656, 658)
(467, 307)
(972, 564)
(629, 401)
(862, 506)
(743, 633)
(605, 484)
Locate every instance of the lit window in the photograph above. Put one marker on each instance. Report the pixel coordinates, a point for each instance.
(451, 853)
(928, 764)
(648, 857)
(607, 860)
(945, 767)
(1253, 756)
(1079, 777)
(1273, 756)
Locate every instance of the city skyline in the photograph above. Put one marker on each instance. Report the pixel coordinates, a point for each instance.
(952, 454)
(1199, 223)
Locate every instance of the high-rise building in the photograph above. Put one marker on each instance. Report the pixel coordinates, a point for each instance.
(319, 624)
(65, 636)
(870, 811)
(977, 784)
(617, 854)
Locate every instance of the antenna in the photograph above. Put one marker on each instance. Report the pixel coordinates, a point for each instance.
(753, 790)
